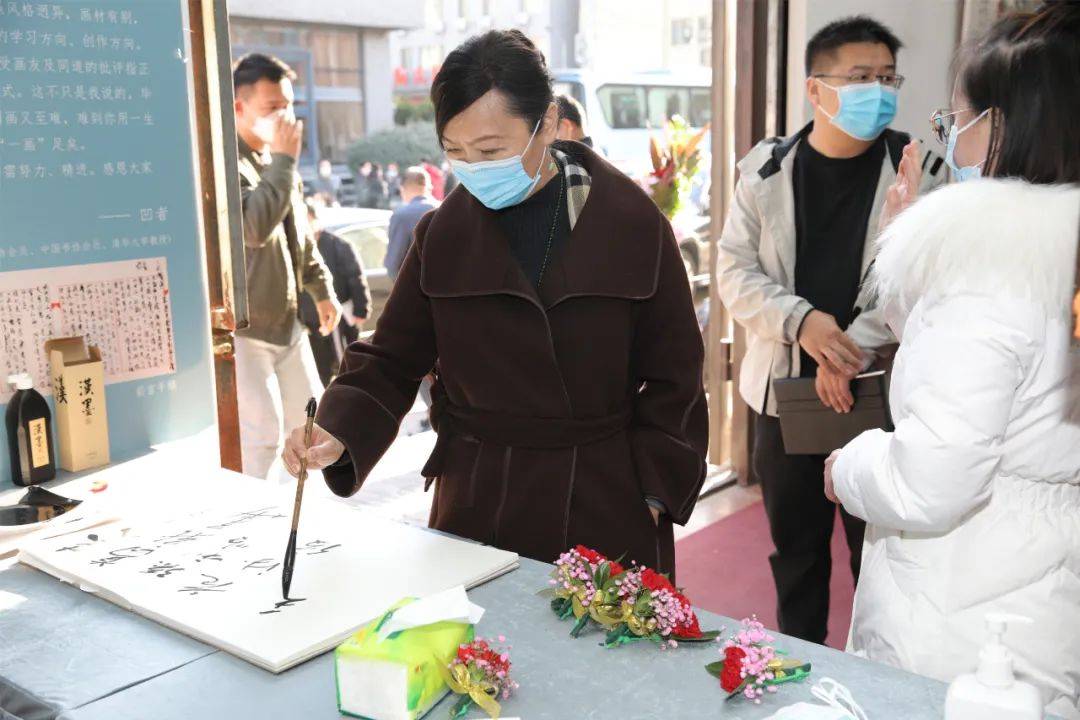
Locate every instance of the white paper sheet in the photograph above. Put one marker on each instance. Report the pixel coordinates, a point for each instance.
(121, 307)
(447, 606)
(217, 578)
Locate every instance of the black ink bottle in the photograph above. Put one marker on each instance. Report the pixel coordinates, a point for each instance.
(29, 433)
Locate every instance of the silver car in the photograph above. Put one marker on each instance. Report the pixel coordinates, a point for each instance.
(366, 230)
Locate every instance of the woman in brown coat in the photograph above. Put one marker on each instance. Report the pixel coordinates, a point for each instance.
(549, 297)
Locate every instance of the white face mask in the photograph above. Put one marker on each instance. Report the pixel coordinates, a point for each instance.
(840, 705)
(263, 128)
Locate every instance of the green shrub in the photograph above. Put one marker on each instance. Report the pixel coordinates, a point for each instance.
(403, 113)
(406, 112)
(405, 145)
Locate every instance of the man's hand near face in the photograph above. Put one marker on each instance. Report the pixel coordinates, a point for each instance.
(288, 136)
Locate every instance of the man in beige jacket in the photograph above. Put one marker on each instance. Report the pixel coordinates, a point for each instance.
(282, 262)
(795, 250)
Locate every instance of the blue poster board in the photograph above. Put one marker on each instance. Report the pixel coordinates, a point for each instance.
(97, 166)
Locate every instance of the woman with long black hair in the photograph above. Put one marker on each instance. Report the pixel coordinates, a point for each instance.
(973, 503)
(549, 296)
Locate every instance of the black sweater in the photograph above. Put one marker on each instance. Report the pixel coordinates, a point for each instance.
(527, 227)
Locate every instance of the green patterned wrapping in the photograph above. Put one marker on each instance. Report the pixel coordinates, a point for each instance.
(419, 650)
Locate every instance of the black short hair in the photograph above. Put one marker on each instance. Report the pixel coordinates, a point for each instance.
(1025, 69)
(855, 29)
(253, 67)
(570, 109)
(503, 60)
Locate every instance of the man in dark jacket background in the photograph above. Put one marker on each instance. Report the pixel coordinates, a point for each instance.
(572, 120)
(351, 291)
(416, 201)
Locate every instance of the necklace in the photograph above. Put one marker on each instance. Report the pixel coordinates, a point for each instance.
(551, 233)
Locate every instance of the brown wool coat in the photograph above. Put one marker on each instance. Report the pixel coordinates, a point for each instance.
(561, 410)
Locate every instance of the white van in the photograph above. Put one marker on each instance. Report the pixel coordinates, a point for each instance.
(623, 109)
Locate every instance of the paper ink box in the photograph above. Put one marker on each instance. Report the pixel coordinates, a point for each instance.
(78, 385)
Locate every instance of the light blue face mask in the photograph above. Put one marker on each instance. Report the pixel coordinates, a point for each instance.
(866, 109)
(498, 184)
(968, 172)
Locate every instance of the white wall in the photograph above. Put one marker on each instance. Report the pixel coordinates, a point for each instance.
(359, 13)
(378, 81)
(929, 30)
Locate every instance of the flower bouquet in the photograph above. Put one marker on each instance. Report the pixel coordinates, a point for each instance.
(675, 163)
(630, 604)
(751, 666)
(480, 674)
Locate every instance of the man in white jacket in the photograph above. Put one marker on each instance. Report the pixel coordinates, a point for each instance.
(795, 248)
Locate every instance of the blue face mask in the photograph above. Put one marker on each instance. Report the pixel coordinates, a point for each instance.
(498, 184)
(865, 109)
(968, 172)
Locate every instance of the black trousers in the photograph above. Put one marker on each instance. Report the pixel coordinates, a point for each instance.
(325, 349)
(801, 523)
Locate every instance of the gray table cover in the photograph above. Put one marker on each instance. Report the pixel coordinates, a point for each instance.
(560, 677)
(61, 648)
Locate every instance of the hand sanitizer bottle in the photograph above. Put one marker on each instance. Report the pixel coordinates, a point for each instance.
(993, 691)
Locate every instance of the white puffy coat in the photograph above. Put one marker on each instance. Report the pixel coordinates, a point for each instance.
(973, 503)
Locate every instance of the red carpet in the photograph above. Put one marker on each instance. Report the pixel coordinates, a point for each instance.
(725, 568)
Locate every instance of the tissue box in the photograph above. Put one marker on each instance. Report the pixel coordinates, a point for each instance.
(399, 677)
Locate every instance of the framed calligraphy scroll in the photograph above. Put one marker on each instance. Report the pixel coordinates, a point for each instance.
(99, 173)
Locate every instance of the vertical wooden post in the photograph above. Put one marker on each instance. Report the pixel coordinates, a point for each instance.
(219, 200)
(717, 374)
(747, 35)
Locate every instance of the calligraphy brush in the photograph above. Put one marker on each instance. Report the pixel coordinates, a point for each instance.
(290, 550)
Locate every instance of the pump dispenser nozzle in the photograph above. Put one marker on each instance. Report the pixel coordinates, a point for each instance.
(995, 660)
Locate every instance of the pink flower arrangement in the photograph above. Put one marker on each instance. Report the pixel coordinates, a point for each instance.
(629, 603)
(751, 666)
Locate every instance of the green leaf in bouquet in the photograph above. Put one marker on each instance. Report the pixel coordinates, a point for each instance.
(643, 604)
(621, 635)
(461, 708)
(579, 626)
(562, 607)
(549, 592)
(603, 573)
(716, 669)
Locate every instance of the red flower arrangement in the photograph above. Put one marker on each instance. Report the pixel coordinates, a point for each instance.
(751, 666)
(630, 604)
(479, 673)
(675, 163)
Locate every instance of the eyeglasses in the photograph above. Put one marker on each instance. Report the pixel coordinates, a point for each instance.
(942, 122)
(888, 79)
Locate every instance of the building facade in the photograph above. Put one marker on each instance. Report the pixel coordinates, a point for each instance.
(418, 53)
(644, 35)
(601, 35)
(342, 57)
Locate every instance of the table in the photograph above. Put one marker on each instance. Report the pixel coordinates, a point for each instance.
(77, 657)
